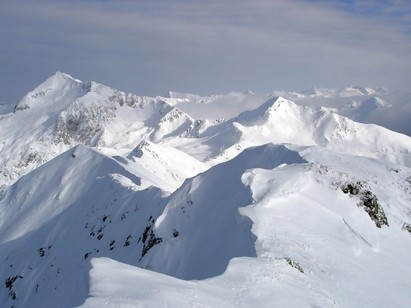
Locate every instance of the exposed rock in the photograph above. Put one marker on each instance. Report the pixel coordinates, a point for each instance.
(373, 208)
(149, 238)
(406, 227)
(368, 201)
(294, 264)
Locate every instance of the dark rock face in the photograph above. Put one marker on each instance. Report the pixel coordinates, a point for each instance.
(368, 201)
(149, 238)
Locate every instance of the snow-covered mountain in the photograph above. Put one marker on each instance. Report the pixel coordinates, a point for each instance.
(63, 112)
(112, 199)
(366, 105)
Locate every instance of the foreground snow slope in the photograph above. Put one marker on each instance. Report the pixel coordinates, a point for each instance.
(310, 243)
(53, 220)
(201, 228)
(272, 226)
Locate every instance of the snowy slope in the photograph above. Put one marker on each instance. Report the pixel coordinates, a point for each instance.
(162, 166)
(81, 204)
(214, 196)
(279, 209)
(110, 199)
(304, 242)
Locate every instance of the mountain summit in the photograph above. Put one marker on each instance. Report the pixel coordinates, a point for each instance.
(57, 89)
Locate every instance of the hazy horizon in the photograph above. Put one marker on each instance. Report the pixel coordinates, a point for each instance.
(149, 48)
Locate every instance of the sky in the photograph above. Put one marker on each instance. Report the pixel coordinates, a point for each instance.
(205, 47)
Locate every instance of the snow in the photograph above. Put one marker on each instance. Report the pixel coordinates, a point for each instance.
(65, 112)
(164, 167)
(204, 199)
(122, 287)
(215, 107)
(297, 214)
(56, 218)
(109, 199)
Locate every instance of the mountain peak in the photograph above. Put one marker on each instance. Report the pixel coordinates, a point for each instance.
(62, 75)
(262, 113)
(56, 86)
(58, 80)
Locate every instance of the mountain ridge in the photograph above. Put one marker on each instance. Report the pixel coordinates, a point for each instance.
(92, 114)
(109, 198)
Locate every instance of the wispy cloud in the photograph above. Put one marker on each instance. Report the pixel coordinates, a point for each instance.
(206, 46)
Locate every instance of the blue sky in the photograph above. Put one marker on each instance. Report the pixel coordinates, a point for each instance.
(205, 47)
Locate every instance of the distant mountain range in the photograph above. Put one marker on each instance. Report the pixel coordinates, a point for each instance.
(113, 199)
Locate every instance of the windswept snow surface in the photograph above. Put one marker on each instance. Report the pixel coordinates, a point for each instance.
(310, 244)
(109, 199)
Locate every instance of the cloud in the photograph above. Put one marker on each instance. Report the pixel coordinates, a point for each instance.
(206, 47)
(396, 118)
